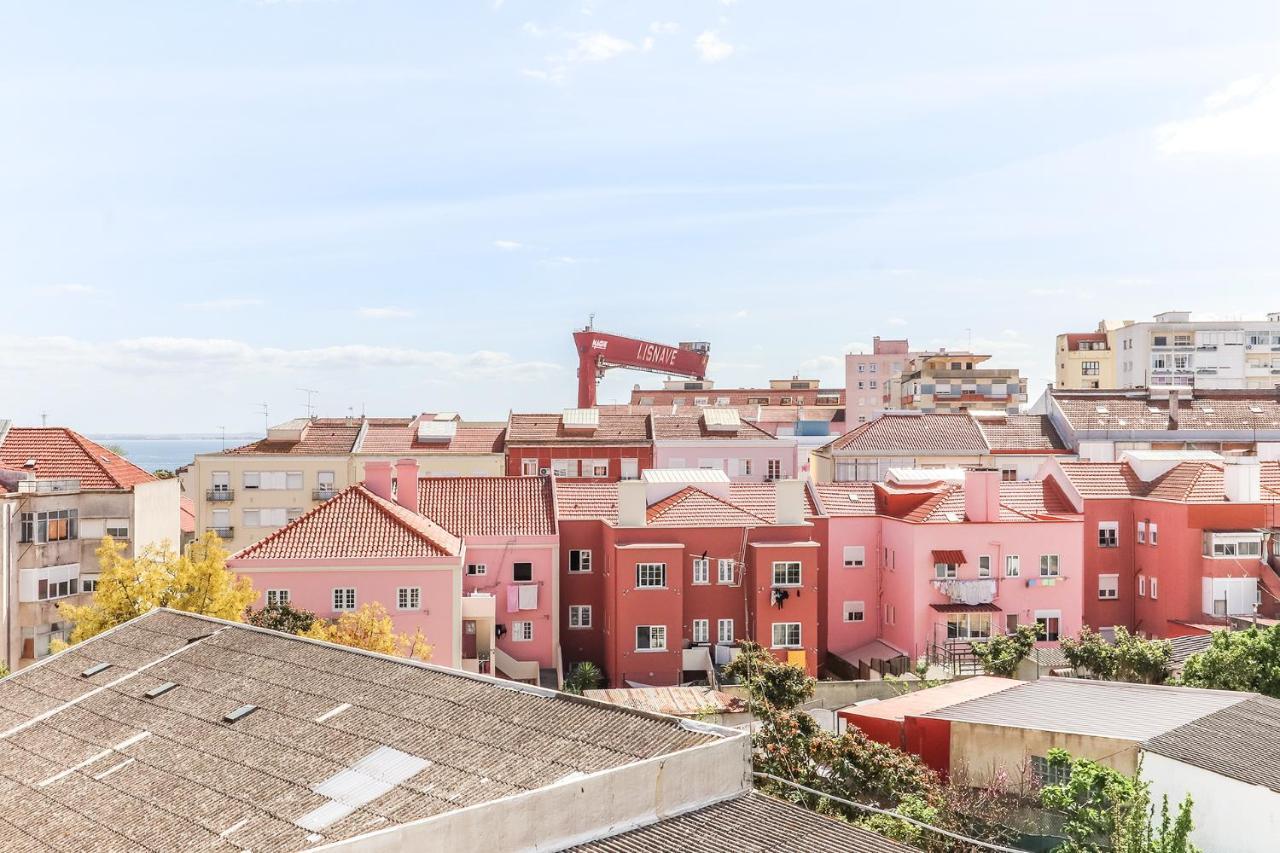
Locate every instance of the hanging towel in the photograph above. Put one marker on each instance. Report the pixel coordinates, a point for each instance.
(513, 599)
(529, 597)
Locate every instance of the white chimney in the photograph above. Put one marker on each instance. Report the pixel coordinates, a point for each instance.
(789, 495)
(1242, 479)
(633, 509)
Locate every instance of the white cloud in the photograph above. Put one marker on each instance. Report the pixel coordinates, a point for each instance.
(507, 245)
(664, 28)
(741, 314)
(76, 289)
(647, 44)
(712, 48)
(1241, 120)
(230, 303)
(555, 74)
(598, 47)
(388, 312)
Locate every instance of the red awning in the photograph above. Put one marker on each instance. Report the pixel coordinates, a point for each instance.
(965, 608)
(955, 557)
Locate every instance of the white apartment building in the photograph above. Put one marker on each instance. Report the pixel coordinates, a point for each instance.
(1176, 351)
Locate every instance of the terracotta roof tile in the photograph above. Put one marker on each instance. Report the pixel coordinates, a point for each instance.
(1189, 482)
(587, 501)
(847, 499)
(1203, 412)
(402, 438)
(748, 503)
(63, 453)
(761, 499)
(691, 507)
(549, 429)
(676, 427)
(1021, 434)
(1021, 500)
(355, 524)
(489, 506)
(323, 437)
(928, 433)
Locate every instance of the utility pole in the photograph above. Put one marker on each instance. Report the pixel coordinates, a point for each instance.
(311, 409)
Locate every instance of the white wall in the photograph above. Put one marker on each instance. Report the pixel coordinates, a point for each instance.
(1229, 815)
(156, 514)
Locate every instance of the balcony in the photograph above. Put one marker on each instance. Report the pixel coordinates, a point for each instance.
(48, 487)
(974, 591)
(323, 494)
(224, 532)
(220, 495)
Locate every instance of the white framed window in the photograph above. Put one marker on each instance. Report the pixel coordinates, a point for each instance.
(855, 556)
(595, 467)
(701, 570)
(277, 597)
(564, 467)
(1048, 624)
(221, 519)
(1049, 566)
(1012, 565)
(774, 470)
(528, 467)
(855, 611)
(221, 482)
(651, 575)
(1142, 532)
(474, 569)
(579, 561)
(701, 630)
(1108, 534)
(1108, 586)
(724, 630)
(293, 480)
(117, 528)
(1219, 545)
(1142, 586)
(580, 616)
(890, 615)
(651, 638)
(1155, 587)
(786, 635)
(786, 573)
(409, 598)
(984, 566)
(941, 571)
(91, 585)
(725, 571)
(325, 480)
(744, 467)
(1153, 530)
(521, 632)
(344, 598)
(250, 480)
(629, 468)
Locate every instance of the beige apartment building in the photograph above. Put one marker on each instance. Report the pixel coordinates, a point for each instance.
(1085, 360)
(944, 381)
(245, 493)
(60, 494)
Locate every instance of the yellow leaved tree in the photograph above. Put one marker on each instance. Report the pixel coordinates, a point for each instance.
(370, 628)
(197, 582)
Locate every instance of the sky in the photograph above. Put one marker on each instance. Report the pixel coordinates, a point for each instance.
(208, 206)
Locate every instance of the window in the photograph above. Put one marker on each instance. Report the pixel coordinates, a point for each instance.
(629, 468)
(872, 384)
(277, 597)
(221, 482)
(1012, 565)
(1153, 530)
(521, 632)
(855, 556)
(1182, 340)
(651, 575)
(724, 571)
(474, 569)
(701, 570)
(1049, 566)
(1090, 368)
(522, 572)
(775, 470)
(1160, 362)
(409, 598)
(1155, 587)
(324, 481)
(1142, 532)
(1182, 362)
(1160, 341)
(595, 467)
(984, 566)
(651, 638)
(528, 467)
(786, 635)
(945, 570)
(564, 467)
(267, 517)
(1142, 586)
(701, 630)
(1011, 623)
(1009, 475)
(1050, 774)
(117, 528)
(854, 611)
(1108, 534)
(1234, 546)
(1108, 586)
(890, 615)
(786, 574)
(579, 561)
(294, 480)
(59, 525)
(724, 631)
(1047, 624)
(251, 480)
(344, 598)
(221, 519)
(580, 616)
(91, 585)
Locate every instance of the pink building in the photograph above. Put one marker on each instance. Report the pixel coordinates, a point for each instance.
(480, 583)
(720, 440)
(924, 565)
(868, 378)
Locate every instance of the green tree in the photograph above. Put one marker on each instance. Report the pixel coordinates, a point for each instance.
(1238, 660)
(197, 582)
(1088, 651)
(769, 680)
(1130, 658)
(584, 676)
(1001, 655)
(282, 617)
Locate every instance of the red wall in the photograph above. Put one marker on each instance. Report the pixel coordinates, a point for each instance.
(544, 455)
(930, 739)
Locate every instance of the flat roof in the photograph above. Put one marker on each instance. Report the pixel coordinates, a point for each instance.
(920, 702)
(269, 741)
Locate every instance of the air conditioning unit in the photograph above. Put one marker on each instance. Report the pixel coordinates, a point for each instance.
(542, 472)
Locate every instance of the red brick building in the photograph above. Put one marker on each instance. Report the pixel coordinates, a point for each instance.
(580, 445)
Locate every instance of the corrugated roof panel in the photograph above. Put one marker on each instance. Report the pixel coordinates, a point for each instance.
(436, 431)
(581, 418)
(726, 419)
(684, 475)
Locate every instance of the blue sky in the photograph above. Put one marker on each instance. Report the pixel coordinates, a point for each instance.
(409, 206)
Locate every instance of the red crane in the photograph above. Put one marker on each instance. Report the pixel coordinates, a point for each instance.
(598, 352)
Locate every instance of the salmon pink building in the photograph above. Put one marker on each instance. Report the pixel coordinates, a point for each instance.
(720, 440)
(927, 561)
(662, 577)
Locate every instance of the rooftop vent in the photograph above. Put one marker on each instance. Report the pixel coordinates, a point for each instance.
(1257, 410)
(160, 690)
(1153, 410)
(239, 713)
(1102, 410)
(94, 670)
(1208, 410)
(30, 463)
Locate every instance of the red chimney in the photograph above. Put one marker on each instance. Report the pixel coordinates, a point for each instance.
(377, 478)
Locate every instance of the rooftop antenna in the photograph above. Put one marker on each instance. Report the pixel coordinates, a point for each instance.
(311, 409)
(224, 437)
(591, 321)
(266, 419)
(44, 419)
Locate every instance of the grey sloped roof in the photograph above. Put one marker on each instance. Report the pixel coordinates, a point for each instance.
(752, 823)
(90, 762)
(1101, 708)
(1241, 742)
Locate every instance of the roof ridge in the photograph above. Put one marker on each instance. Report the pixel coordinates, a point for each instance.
(392, 510)
(82, 442)
(275, 534)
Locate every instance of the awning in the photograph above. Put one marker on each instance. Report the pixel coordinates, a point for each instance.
(965, 608)
(955, 557)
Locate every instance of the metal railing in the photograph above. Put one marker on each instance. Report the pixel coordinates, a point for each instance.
(224, 532)
(47, 487)
(219, 495)
(323, 494)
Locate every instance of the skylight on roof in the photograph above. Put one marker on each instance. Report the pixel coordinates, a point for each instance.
(1153, 410)
(94, 670)
(1102, 410)
(1257, 410)
(1208, 410)
(239, 713)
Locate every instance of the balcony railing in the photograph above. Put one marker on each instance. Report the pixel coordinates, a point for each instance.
(969, 591)
(323, 494)
(48, 487)
(219, 495)
(224, 532)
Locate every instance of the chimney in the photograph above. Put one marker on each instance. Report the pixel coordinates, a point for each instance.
(377, 479)
(982, 494)
(633, 509)
(1242, 479)
(407, 484)
(789, 495)
(1173, 408)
